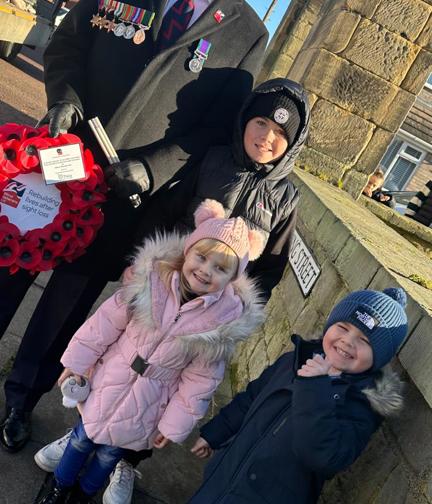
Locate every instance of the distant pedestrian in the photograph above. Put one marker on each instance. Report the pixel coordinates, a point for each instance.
(310, 414)
(155, 351)
(374, 190)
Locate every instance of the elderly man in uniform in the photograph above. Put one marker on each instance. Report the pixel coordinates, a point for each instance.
(166, 79)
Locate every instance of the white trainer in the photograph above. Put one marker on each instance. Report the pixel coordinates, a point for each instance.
(120, 488)
(48, 457)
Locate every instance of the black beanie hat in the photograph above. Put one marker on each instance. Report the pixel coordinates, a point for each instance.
(278, 107)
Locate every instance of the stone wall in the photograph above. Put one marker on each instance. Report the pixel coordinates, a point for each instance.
(363, 63)
(357, 250)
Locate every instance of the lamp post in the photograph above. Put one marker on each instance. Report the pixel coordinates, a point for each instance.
(269, 11)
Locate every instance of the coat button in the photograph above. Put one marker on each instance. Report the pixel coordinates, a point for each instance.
(253, 476)
(336, 396)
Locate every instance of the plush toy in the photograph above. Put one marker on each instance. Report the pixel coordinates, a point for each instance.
(73, 392)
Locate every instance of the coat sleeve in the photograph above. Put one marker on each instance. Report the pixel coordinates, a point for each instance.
(328, 436)
(230, 418)
(163, 161)
(66, 55)
(270, 266)
(92, 339)
(198, 383)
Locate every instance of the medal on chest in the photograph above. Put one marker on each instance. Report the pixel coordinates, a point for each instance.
(124, 20)
(201, 53)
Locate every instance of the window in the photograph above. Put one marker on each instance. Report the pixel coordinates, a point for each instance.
(399, 164)
(428, 83)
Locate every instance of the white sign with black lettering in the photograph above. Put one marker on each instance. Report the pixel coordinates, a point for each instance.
(305, 268)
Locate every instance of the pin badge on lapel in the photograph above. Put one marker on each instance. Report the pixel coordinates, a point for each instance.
(219, 15)
(201, 54)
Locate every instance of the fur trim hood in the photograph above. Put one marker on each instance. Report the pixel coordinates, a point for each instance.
(386, 397)
(219, 341)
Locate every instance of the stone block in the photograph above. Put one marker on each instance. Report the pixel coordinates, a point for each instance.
(291, 46)
(338, 133)
(335, 30)
(310, 322)
(418, 73)
(395, 489)
(416, 356)
(364, 7)
(404, 17)
(425, 38)
(374, 151)
(300, 29)
(356, 265)
(289, 301)
(349, 86)
(313, 98)
(398, 110)
(282, 66)
(258, 360)
(277, 347)
(300, 68)
(381, 52)
(412, 429)
(359, 484)
(332, 235)
(310, 210)
(325, 167)
(327, 289)
(354, 182)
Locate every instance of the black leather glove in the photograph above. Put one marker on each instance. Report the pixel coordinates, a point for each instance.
(127, 177)
(60, 118)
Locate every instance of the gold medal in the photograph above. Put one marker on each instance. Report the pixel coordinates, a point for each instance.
(95, 20)
(139, 37)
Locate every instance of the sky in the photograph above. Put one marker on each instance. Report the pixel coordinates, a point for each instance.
(261, 7)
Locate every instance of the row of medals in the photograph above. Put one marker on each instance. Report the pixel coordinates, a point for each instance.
(120, 29)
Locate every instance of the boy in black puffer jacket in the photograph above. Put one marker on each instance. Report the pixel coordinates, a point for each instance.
(310, 414)
(250, 177)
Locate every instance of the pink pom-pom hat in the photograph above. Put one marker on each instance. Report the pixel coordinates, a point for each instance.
(211, 223)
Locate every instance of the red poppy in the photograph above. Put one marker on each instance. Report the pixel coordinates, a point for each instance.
(8, 230)
(28, 153)
(90, 216)
(9, 162)
(29, 256)
(84, 235)
(9, 250)
(11, 131)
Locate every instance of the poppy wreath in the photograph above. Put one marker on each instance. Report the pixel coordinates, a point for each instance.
(79, 215)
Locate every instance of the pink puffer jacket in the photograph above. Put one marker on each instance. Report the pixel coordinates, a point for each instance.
(186, 348)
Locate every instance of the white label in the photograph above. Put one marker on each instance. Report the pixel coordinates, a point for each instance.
(303, 264)
(62, 164)
(29, 203)
(366, 319)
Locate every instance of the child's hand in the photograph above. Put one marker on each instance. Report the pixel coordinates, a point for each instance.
(66, 373)
(201, 448)
(318, 366)
(160, 441)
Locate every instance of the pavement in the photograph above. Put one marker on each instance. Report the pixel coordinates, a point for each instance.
(172, 474)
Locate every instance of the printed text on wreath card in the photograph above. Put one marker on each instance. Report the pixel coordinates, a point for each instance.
(29, 203)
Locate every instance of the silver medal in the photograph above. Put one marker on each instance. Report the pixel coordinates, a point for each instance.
(129, 32)
(119, 30)
(196, 65)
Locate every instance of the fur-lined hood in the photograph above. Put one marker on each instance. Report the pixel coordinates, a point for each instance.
(219, 336)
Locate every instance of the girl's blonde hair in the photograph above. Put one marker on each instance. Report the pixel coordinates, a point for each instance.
(205, 246)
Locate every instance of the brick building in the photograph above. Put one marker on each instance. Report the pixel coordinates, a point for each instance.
(407, 162)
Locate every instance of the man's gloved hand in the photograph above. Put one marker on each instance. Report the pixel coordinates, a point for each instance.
(60, 118)
(127, 177)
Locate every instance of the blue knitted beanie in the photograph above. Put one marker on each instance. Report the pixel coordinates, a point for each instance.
(379, 315)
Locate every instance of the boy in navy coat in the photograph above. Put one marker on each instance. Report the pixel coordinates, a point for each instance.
(310, 414)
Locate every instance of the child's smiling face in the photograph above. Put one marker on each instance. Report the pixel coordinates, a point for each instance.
(347, 348)
(264, 140)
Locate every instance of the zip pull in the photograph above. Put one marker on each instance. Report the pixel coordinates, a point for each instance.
(177, 316)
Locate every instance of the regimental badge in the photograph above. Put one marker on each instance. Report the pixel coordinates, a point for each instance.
(219, 16)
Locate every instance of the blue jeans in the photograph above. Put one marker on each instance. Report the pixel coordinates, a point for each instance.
(77, 451)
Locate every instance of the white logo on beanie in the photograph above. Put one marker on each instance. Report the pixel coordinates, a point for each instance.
(366, 319)
(281, 115)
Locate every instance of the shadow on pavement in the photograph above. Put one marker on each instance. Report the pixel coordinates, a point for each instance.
(10, 114)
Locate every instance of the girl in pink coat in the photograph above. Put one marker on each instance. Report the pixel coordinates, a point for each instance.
(155, 351)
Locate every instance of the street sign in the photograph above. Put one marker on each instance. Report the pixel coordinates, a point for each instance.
(305, 268)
